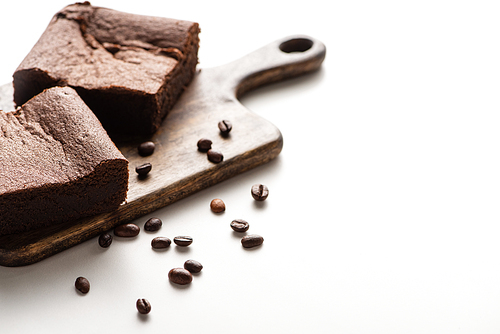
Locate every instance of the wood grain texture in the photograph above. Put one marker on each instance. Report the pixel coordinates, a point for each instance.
(179, 169)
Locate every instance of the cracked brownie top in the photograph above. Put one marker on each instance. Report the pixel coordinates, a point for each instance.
(96, 47)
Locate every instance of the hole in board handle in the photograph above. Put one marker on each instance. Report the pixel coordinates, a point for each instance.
(296, 45)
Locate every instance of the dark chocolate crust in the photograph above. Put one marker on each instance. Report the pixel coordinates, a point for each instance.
(129, 69)
(57, 163)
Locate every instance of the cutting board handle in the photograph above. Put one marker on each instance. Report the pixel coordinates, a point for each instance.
(285, 58)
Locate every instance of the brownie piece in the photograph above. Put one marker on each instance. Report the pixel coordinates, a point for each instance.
(57, 163)
(129, 69)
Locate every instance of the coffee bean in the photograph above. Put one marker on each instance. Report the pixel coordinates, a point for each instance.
(146, 148)
(143, 169)
(143, 306)
(160, 242)
(193, 266)
(239, 225)
(105, 240)
(180, 276)
(204, 144)
(217, 205)
(183, 241)
(225, 127)
(127, 230)
(82, 284)
(153, 224)
(252, 240)
(215, 156)
(259, 192)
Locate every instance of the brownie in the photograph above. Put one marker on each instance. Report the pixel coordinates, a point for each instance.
(57, 163)
(129, 69)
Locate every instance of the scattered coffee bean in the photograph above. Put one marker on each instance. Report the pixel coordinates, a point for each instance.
(146, 148)
(193, 266)
(153, 224)
(183, 241)
(217, 205)
(143, 169)
(127, 230)
(259, 192)
(82, 284)
(215, 156)
(252, 240)
(160, 242)
(225, 127)
(180, 276)
(204, 145)
(143, 306)
(239, 225)
(105, 240)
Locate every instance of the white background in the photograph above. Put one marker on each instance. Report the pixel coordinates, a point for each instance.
(383, 214)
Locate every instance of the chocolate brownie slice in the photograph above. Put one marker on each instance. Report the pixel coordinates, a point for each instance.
(57, 163)
(129, 69)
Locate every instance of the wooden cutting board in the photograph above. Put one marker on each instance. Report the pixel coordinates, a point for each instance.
(179, 169)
